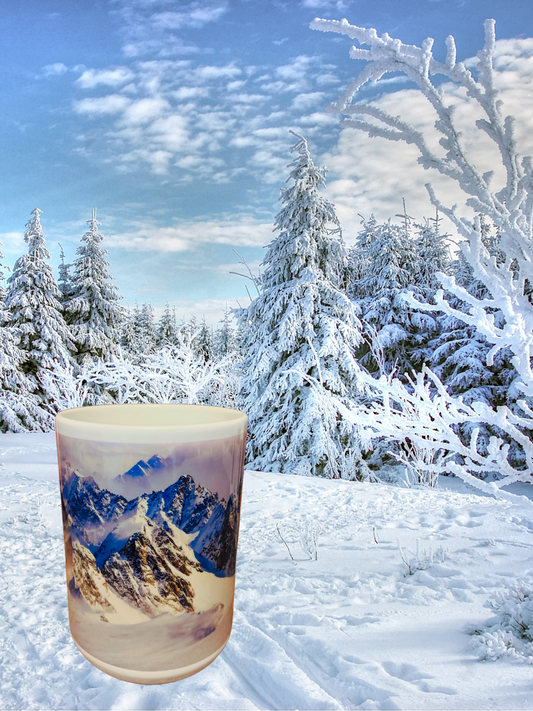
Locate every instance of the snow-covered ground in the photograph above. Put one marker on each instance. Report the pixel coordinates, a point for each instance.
(349, 630)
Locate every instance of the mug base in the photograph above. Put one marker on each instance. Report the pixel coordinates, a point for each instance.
(135, 676)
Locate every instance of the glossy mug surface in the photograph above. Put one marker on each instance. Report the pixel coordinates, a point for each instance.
(151, 499)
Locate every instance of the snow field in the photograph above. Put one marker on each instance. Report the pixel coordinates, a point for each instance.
(350, 630)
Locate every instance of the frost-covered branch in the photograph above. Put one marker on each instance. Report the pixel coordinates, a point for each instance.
(510, 209)
(66, 388)
(423, 416)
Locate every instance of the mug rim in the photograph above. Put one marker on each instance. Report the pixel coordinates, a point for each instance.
(71, 422)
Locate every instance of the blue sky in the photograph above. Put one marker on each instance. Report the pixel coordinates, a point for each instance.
(172, 118)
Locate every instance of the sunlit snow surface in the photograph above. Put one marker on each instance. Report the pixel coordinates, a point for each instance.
(350, 630)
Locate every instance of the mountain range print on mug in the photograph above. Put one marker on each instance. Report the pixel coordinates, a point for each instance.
(151, 548)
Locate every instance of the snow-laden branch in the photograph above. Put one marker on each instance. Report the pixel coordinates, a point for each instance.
(510, 209)
(423, 417)
(66, 387)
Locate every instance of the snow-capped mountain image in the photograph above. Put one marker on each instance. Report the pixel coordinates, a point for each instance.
(151, 543)
(143, 475)
(149, 552)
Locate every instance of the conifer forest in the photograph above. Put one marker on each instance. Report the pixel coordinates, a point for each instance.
(405, 349)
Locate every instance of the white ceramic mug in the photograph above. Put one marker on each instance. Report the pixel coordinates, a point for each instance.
(151, 500)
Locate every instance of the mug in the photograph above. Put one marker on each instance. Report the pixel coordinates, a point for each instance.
(151, 498)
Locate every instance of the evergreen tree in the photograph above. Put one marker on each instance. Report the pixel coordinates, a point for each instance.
(203, 343)
(225, 339)
(64, 282)
(386, 263)
(92, 308)
(148, 329)
(433, 255)
(301, 327)
(127, 334)
(167, 329)
(139, 335)
(35, 311)
(459, 354)
(19, 406)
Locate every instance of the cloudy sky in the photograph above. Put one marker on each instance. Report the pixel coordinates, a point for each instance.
(173, 117)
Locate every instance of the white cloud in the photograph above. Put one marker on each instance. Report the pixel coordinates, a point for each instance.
(219, 122)
(189, 235)
(297, 69)
(158, 160)
(196, 16)
(106, 77)
(209, 72)
(249, 98)
(235, 85)
(243, 141)
(339, 5)
(12, 241)
(372, 175)
(54, 70)
(102, 105)
(327, 78)
(171, 132)
(302, 102)
(272, 132)
(144, 110)
(190, 92)
(318, 119)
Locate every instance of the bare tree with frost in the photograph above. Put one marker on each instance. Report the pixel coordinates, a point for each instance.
(91, 305)
(303, 326)
(174, 373)
(509, 208)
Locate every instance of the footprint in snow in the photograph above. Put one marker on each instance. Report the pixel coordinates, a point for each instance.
(412, 675)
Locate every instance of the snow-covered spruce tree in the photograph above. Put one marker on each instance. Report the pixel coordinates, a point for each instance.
(303, 327)
(225, 341)
(509, 206)
(92, 310)
(167, 328)
(385, 263)
(226, 393)
(34, 314)
(203, 343)
(64, 282)
(139, 333)
(128, 331)
(147, 329)
(19, 406)
(459, 357)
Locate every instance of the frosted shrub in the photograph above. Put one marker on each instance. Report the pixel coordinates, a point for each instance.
(309, 531)
(66, 389)
(423, 417)
(174, 373)
(510, 633)
(423, 559)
